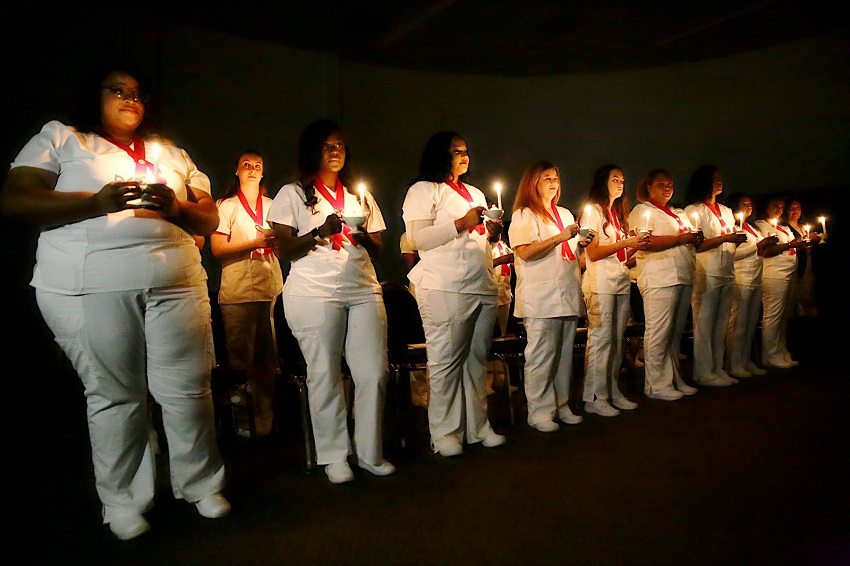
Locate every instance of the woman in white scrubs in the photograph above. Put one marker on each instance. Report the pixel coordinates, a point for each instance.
(250, 280)
(747, 293)
(714, 279)
(332, 300)
(666, 274)
(548, 293)
(119, 282)
(455, 291)
(606, 285)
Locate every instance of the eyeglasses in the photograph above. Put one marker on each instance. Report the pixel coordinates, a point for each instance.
(330, 147)
(133, 95)
(461, 152)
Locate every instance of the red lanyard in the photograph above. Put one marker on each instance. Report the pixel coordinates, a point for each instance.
(663, 208)
(460, 189)
(566, 252)
(137, 152)
(256, 217)
(338, 204)
(613, 220)
(506, 269)
(792, 251)
(715, 208)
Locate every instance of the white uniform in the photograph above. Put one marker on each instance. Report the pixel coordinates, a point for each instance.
(502, 279)
(333, 304)
(606, 285)
(777, 274)
(249, 282)
(665, 280)
(713, 288)
(126, 299)
(548, 299)
(457, 300)
(746, 302)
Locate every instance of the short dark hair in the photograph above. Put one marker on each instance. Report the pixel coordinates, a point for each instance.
(701, 184)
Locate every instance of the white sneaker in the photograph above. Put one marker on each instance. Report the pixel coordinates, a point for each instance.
(385, 468)
(546, 426)
(493, 440)
(713, 381)
(568, 417)
(339, 472)
(129, 526)
(213, 506)
(740, 373)
(754, 369)
(666, 395)
(601, 408)
(686, 389)
(448, 446)
(777, 364)
(624, 404)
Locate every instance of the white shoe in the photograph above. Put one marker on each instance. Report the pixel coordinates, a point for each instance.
(624, 404)
(546, 426)
(777, 364)
(666, 395)
(686, 389)
(213, 506)
(448, 446)
(714, 381)
(385, 468)
(493, 440)
(740, 373)
(754, 369)
(339, 472)
(601, 408)
(790, 360)
(569, 418)
(129, 526)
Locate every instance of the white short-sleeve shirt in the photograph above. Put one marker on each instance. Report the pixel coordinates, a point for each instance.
(784, 265)
(719, 261)
(462, 265)
(609, 275)
(324, 271)
(665, 268)
(748, 263)
(550, 286)
(252, 276)
(117, 251)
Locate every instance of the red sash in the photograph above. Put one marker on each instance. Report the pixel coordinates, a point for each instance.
(506, 269)
(144, 168)
(715, 208)
(460, 189)
(663, 208)
(792, 251)
(615, 222)
(755, 234)
(566, 252)
(338, 203)
(256, 217)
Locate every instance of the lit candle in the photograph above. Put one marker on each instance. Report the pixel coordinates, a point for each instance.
(822, 220)
(695, 218)
(646, 225)
(740, 217)
(362, 189)
(773, 221)
(498, 186)
(586, 214)
(807, 228)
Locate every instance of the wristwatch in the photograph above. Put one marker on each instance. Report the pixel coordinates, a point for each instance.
(316, 236)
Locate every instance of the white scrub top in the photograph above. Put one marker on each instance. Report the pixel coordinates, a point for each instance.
(784, 265)
(665, 268)
(719, 261)
(608, 276)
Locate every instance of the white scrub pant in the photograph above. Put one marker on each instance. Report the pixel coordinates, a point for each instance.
(711, 302)
(746, 307)
(458, 332)
(665, 316)
(250, 349)
(122, 345)
(327, 329)
(607, 316)
(774, 326)
(548, 366)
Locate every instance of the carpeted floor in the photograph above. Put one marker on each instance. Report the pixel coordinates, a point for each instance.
(751, 474)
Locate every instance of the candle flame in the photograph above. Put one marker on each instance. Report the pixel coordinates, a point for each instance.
(821, 219)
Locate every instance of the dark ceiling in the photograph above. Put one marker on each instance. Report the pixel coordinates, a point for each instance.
(507, 37)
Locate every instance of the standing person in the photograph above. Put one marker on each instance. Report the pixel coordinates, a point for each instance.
(666, 275)
(119, 281)
(780, 265)
(747, 293)
(250, 280)
(803, 283)
(548, 293)
(455, 292)
(714, 279)
(606, 285)
(332, 300)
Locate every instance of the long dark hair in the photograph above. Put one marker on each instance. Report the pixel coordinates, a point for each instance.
(233, 184)
(436, 162)
(598, 194)
(310, 157)
(89, 107)
(701, 185)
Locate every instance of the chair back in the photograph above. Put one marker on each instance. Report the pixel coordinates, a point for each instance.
(404, 324)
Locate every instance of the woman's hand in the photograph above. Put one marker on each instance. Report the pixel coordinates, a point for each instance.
(332, 225)
(691, 238)
(114, 197)
(494, 229)
(765, 243)
(638, 242)
(472, 218)
(798, 244)
(736, 238)
(568, 233)
(159, 197)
